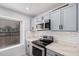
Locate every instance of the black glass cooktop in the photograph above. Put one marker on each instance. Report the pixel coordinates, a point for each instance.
(41, 43)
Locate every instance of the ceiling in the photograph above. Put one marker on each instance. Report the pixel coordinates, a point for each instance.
(31, 9)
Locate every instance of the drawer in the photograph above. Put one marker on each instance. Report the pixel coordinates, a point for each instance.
(49, 54)
(53, 53)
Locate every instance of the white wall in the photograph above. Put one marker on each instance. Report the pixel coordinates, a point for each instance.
(12, 15)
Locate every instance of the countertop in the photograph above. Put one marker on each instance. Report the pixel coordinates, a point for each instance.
(32, 39)
(65, 50)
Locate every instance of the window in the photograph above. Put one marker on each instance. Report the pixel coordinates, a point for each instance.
(9, 33)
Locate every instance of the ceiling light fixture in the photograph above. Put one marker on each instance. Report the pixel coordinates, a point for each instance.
(27, 8)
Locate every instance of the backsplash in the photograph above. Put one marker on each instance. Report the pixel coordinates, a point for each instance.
(67, 37)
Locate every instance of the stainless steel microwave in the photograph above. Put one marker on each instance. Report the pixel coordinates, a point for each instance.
(46, 25)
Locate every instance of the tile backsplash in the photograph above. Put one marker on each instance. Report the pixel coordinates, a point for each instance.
(67, 37)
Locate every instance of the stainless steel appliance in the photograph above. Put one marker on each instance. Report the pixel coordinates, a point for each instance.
(40, 27)
(38, 50)
(39, 46)
(47, 25)
(44, 26)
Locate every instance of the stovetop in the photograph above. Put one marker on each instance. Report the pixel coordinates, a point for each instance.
(41, 43)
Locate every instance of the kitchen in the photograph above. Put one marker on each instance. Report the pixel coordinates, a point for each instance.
(63, 28)
(46, 29)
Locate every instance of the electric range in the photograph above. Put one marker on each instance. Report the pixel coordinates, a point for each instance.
(39, 47)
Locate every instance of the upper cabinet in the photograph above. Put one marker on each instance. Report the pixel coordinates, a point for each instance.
(69, 17)
(33, 24)
(55, 19)
(78, 17)
(46, 16)
(64, 19)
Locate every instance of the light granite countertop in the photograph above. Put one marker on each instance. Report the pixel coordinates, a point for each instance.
(32, 39)
(64, 49)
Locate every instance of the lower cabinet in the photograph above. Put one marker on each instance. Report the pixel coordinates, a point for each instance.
(53, 53)
(28, 48)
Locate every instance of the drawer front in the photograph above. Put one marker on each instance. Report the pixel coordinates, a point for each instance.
(49, 54)
(53, 53)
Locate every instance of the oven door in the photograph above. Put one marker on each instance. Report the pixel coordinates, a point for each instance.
(37, 50)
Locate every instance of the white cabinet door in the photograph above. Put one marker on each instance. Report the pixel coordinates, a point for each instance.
(29, 48)
(53, 53)
(33, 24)
(69, 17)
(55, 20)
(38, 20)
(46, 16)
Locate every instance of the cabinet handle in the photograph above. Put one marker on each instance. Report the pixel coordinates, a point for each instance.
(60, 26)
(36, 26)
(56, 55)
(28, 45)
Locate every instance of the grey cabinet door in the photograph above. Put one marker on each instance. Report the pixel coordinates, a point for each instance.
(55, 20)
(69, 17)
(78, 17)
(53, 53)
